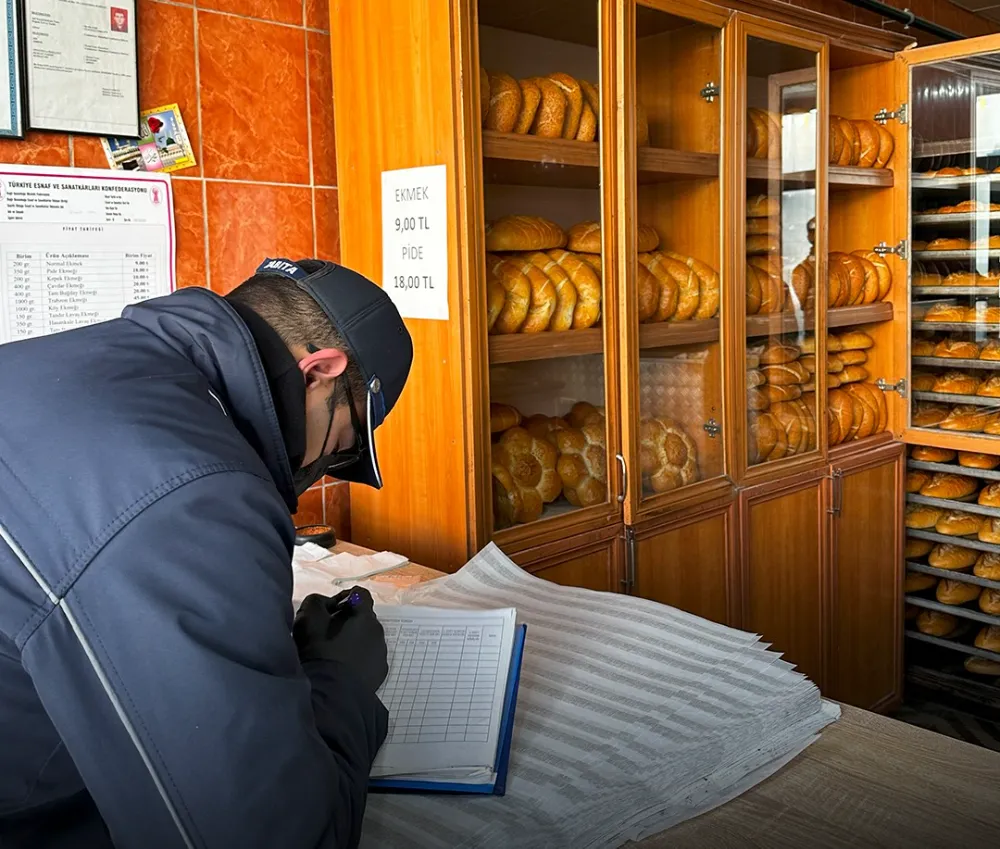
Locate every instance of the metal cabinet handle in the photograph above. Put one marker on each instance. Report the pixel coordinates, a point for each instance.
(624, 470)
(838, 492)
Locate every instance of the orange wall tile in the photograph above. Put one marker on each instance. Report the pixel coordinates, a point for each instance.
(253, 84)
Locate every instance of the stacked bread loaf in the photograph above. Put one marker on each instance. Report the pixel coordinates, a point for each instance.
(763, 134)
(555, 107)
(856, 409)
(957, 171)
(781, 408)
(861, 277)
(863, 144)
(954, 556)
(537, 459)
(939, 274)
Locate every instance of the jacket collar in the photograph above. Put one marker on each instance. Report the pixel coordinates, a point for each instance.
(205, 329)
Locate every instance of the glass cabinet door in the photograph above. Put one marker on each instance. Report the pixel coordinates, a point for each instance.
(676, 246)
(955, 232)
(545, 270)
(785, 365)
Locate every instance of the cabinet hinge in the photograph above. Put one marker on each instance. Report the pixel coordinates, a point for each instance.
(710, 92)
(902, 115)
(712, 428)
(901, 250)
(899, 386)
(628, 582)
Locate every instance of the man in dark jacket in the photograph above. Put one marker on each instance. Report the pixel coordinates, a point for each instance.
(151, 692)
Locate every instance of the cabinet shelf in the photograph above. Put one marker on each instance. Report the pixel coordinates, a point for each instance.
(952, 504)
(954, 468)
(970, 253)
(523, 347)
(951, 574)
(956, 326)
(777, 323)
(965, 542)
(513, 159)
(956, 363)
(955, 610)
(947, 219)
(947, 184)
(949, 398)
(949, 291)
(838, 176)
(951, 644)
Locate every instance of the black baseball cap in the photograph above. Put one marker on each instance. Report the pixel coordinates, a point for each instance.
(377, 341)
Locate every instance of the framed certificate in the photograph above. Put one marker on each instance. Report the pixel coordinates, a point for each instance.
(11, 115)
(81, 66)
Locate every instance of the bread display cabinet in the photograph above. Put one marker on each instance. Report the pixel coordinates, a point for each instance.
(678, 356)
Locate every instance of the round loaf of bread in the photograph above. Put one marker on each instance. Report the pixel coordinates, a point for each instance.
(956, 592)
(505, 104)
(668, 457)
(921, 517)
(531, 463)
(953, 348)
(584, 237)
(978, 460)
(758, 399)
(982, 314)
(929, 414)
(917, 479)
(775, 394)
(882, 271)
(967, 418)
(992, 426)
(855, 340)
(855, 275)
(870, 413)
(550, 117)
(869, 137)
(949, 485)
(917, 548)
(709, 291)
(981, 666)
(565, 291)
(777, 352)
(837, 141)
(946, 313)
(688, 286)
(755, 378)
(669, 288)
(543, 296)
(772, 293)
(950, 171)
(853, 374)
(582, 464)
(988, 638)
(987, 242)
(944, 555)
(763, 438)
(936, 624)
(886, 145)
(574, 103)
(917, 582)
(958, 523)
(496, 297)
(841, 408)
(784, 374)
(852, 152)
(763, 206)
(989, 602)
(838, 285)
(956, 383)
(588, 124)
(932, 454)
(789, 418)
(754, 290)
(503, 417)
(987, 566)
(531, 97)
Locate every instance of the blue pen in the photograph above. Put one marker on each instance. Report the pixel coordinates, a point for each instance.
(352, 601)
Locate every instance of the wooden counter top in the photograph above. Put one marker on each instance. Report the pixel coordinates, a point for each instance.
(869, 781)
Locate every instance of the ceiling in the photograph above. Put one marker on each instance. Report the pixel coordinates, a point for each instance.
(986, 8)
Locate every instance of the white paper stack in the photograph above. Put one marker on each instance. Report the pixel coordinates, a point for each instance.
(631, 717)
(318, 570)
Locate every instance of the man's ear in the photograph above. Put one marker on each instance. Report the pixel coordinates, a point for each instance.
(324, 365)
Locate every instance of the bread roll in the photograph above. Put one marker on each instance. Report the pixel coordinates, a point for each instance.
(588, 125)
(988, 638)
(754, 290)
(550, 117)
(776, 352)
(853, 374)
(584, 413)
(855, 340)
(517, 294)
(928, 414)
(944, 555)
(785, 374)
(917, 479)
(990, 531)
(763, 206)
(669, 293)
(936, 624)
(977, 460)
(885, 148)
(949, 485)
(584, 237)
(708, 285)
(505, 104)
(954, 348)
(508, 508)
(531, 96)
(917, 582)
(991, 350)
(565, 291)
(989, 602)
(989, 495)
(967, 418)
(987, 566)
(544, 427)
(956, 592)
(523, 233)
(945, 313)
(981, 666)
(958, 523)
(531, 463)
(667, 455)
(956, 383)
(917, 548)
(932, 454)
(921, 517)
(582, 465)
(574, 103)
(869, 137)
(503, 417)
(852, 358)
(989, 388)
(588, 288)
(543, 296)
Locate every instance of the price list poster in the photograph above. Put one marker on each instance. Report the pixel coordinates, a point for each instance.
(78, 245)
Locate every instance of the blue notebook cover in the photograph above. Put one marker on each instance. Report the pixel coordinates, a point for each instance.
(499, 786)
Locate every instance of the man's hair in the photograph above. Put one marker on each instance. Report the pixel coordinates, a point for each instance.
(300, 322)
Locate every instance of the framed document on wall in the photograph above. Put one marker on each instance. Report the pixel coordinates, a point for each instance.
(81, 66)
(11, 115)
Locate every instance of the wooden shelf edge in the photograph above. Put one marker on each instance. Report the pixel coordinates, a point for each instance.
(777, 323)
(837, 175)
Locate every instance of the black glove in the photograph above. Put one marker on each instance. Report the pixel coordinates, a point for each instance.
(330, 629)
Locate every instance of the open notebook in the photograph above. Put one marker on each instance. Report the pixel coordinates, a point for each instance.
(450, 693)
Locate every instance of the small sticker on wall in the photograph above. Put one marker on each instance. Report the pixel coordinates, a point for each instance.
(415, 240)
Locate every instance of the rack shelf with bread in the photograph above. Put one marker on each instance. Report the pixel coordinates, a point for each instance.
(951, 574)
(950, 398)
(955, 219)
(953, 645)
(956, 255)
(953, 610)
(956, 326)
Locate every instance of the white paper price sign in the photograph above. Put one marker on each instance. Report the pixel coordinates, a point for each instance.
(415, 240)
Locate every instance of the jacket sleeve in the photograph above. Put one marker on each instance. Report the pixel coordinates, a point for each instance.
(169, 670)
